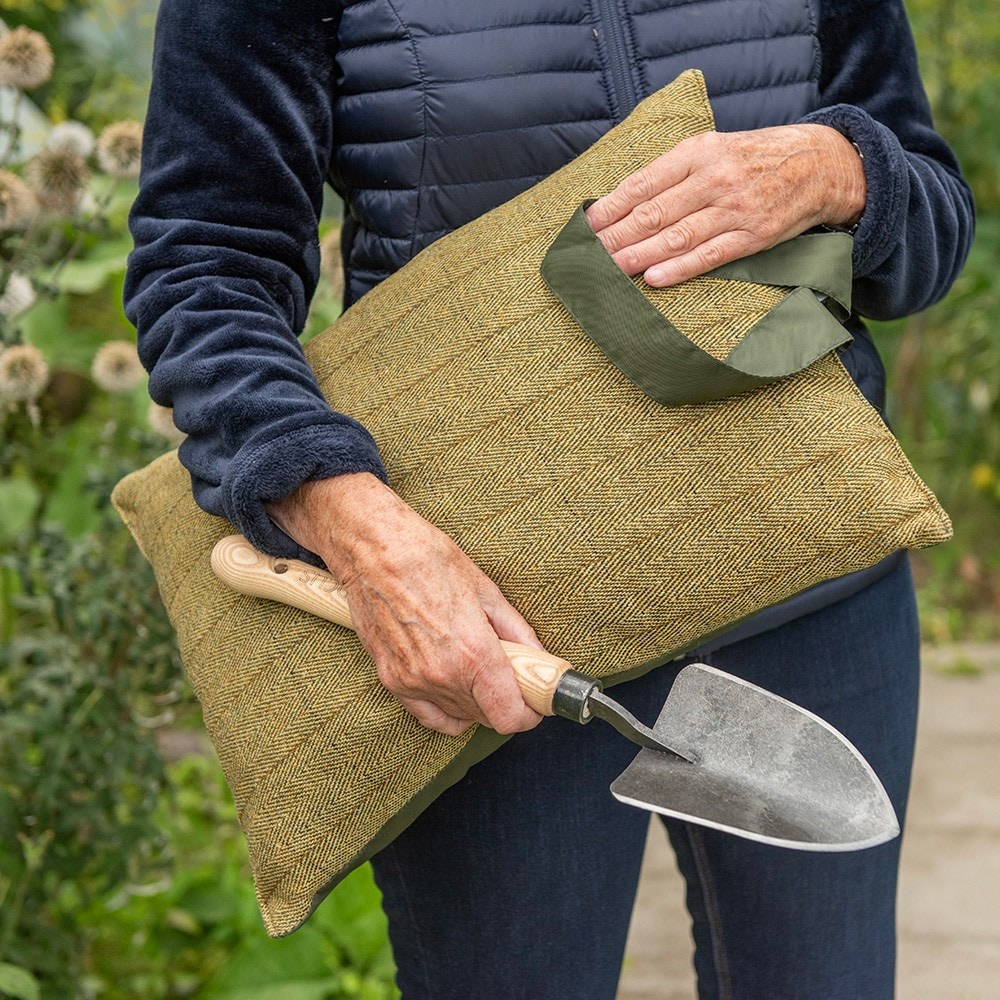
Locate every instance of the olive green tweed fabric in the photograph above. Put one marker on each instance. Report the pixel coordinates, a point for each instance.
(624, 530)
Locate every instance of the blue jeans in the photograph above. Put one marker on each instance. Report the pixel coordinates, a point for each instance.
(518, 883)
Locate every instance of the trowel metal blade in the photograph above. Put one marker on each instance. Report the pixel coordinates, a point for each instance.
(766, 769)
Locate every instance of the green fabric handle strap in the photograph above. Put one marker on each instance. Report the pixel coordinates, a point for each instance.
(652, 353)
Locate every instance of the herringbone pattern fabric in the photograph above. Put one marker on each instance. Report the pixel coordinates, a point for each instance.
(623, 530)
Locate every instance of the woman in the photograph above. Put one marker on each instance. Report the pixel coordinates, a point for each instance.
(519, 881)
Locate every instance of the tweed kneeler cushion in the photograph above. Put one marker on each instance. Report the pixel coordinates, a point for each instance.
(625, 531)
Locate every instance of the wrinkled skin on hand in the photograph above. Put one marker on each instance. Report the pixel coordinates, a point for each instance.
(431, 619)
(719, 196)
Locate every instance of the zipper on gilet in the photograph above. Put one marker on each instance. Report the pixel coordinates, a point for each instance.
(619, 69)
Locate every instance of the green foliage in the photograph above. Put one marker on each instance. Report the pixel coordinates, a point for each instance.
(122, 876)
(199, 933)
(944, 391)
(958, 42)
(944, 364)
(88, 668)
(119, 877)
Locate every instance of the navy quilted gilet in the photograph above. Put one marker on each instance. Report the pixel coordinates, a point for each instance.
(446, 109)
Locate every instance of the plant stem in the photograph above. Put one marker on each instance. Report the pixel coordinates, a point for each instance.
(102, 204)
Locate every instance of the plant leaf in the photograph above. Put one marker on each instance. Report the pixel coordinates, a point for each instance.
(18, 500)
(18, 983)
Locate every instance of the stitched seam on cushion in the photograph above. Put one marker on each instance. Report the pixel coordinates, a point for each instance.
(230, 717)
(541, 396)
(675, 526)
(158, 536)
(332, 831)
(209, 632)
(796, 471)
(296, 748)
(293, 860)
(417, 304)
(713, 914)
(774, 576)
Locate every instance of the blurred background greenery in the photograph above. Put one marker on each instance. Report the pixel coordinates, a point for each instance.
(122, 871)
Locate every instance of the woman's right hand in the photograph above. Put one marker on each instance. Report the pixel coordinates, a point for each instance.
(430, 618)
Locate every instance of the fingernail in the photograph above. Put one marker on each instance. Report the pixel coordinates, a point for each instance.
(655, 275)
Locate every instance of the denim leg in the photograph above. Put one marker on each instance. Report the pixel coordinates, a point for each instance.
(518, 882)
(773, 924)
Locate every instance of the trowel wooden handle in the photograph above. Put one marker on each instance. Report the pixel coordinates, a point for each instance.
(289, 581)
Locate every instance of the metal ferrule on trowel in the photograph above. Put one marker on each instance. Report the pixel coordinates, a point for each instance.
(581, 698)
(723, 753)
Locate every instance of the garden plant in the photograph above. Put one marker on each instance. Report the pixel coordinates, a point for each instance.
(122, 869)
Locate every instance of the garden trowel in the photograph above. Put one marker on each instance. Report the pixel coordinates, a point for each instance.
(723, 753)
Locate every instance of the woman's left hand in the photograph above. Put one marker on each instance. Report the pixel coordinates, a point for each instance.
(719, 196)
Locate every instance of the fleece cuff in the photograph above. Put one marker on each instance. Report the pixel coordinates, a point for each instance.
(276, 468)
(887, 177)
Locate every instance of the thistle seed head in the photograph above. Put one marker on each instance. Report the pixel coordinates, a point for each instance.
(24, 373)
(58, 178)
(25, 59)
(116, 366)
(119, 150)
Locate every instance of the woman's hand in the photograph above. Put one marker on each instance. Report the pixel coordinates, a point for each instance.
(719, 196)
(430, 618)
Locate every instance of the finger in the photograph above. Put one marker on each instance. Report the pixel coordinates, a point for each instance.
(500, 700)
(505, 619)
(433, 717)
(703, 258)
(644, 185)
(676, 240)
(487, 692)
(656, 215)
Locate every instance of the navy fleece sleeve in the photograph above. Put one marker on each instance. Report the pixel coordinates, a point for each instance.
(918, 223)
(237, 141)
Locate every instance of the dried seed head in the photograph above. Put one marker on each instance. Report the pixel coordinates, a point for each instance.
(116, 366)
(58, 178)
(17, 203)
(161, 420)
(18, 295)
(119, 150)
(24, 373)
(72, 135)
(25, 59)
